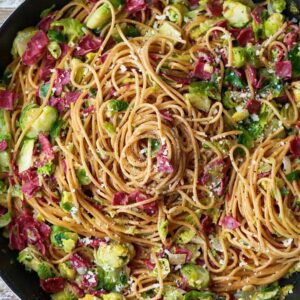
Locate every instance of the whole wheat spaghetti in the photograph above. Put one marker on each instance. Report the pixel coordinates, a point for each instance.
(152, 150)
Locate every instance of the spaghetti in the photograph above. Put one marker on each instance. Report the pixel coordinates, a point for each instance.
(154, 150)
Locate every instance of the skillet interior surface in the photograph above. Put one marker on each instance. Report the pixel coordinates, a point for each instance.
(23, 283)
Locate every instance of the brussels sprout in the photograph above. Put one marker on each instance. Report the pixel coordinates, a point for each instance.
(43, 123)
(252, 57)
(271, 292)
(46, 169)
(202, 28)
(128, 30)
(25, 157)
(113, 296)
(28, 114)
(45, 270)
(66, 201)
(237, 14)
(82, 177)
(99, 18)
(273, 24)
(197, 295)
(227, 100)
(17, 192)
(72, 28)
(4, 161)
(55, 130)
(168, 29)
(287, 112)
(89, 297)
(173, 14)
(163, 229)
(54, 49)
(112, 279)
(110, 128)
(240, 115)
(196, 276)
(117, 105)
(239, 56)
(112, 256)
(64, 295)
(63, 238)
(5, 219)
(195, 249)
(56, 36)
(102, 15)
(32, 261)
(66, 271)
(164, 266)
(185, 236)
(277, 6)
(3, 187)
(199, 101)
(296, 90)
(21, 41)
(173, 293)
(209, 89)
(4, 135)
(4, 128)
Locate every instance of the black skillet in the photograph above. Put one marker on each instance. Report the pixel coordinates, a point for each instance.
(23, 283)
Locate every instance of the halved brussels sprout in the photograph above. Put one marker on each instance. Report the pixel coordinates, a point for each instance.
(173, 293)
(112, 279)
(113, 256)
(113, 296)
(164, 266)
(236, 13)
(22, 39)
(32, 261)
(66, 271)
(25, 157)
(63, 238)
(196, 276)
(239, 56)
(43, 123)
(273, 24)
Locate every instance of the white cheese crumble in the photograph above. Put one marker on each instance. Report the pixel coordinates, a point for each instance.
(160, 17)
(255, 117)
(287, 242)
(123, 69)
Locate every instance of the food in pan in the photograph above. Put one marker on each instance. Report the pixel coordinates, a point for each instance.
(151, 150)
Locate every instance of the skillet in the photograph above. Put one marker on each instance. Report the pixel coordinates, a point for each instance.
(25, 284)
